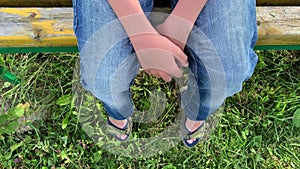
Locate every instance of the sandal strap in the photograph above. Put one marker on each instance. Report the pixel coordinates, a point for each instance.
(198, 133)
(111, 128)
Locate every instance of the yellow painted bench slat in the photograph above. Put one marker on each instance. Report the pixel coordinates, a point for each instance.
(51, 27)
(36, 27)
(68, 3)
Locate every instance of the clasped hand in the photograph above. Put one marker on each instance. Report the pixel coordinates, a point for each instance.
(159, 56)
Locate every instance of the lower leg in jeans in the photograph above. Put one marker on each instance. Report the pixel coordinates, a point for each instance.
(104, 48)
(221, 52)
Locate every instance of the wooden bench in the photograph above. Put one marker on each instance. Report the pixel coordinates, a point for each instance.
(47, 25)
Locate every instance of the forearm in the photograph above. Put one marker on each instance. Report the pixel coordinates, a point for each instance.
(180, 22)
(188, 10)
(131, 17)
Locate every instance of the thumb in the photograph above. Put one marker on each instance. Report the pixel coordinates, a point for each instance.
(181, 58)
(177, 73)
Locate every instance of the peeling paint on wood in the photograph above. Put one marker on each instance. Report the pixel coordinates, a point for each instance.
(50, 27)
(35, 3)
(25, 12)
(68, 3)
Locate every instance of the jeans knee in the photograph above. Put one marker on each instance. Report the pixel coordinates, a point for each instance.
(234, 83)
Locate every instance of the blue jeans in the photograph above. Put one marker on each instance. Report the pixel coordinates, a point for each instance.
(219, 49)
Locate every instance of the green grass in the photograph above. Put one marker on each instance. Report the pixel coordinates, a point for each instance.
(256, 129)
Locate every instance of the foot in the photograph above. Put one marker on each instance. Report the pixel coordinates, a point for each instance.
(120, 124)
(192, 126)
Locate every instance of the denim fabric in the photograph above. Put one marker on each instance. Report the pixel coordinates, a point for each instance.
(220, 51)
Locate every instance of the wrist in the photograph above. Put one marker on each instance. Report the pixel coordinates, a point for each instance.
(178, 24)
(137, 24)
(141, 41)
(132, 17)
(177, 29)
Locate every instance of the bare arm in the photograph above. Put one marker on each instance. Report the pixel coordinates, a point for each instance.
(157, 54)
(188, 10)
(180, 22)
(130, 13)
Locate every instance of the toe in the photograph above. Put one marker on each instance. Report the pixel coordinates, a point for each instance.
(190, 141)
(121, 136)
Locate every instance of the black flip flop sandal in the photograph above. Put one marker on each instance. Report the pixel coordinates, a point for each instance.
(114, 130)
(188, 135)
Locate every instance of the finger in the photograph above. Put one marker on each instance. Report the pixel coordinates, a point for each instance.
(177, 72)
(177, 52)
(147, 71)
(182, 58)
(155, 73)
(161, 74)
(166, 77)
(171, 69)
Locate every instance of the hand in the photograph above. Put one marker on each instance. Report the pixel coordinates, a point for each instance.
(176, 29)
(159, 56)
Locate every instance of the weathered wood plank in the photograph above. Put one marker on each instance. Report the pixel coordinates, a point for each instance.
(161, 3)
(278, 25)
(28, 27)
(47, 27)
(278, 2)
(68, 3)
(35, 3)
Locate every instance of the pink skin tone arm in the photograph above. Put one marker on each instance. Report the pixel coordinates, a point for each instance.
(180, 22)
(127, 7)
(188, 10)
(156, 53)
(129, 13)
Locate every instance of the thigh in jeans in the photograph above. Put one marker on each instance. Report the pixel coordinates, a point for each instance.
(221, 55)
(107, 60)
